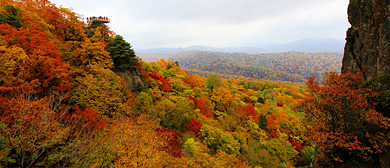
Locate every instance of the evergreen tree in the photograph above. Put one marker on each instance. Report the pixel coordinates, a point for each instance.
(96, 23)
(10, 14)
(121, 53)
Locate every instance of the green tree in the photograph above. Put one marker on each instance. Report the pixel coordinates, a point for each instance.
(219, 140)
(191, 145)
(213, 82)
(282, 149)
(121, 53)
(145, 102)
(176, 115)
(10, 14)
(96, 23)
(307, 156)
(257, 155)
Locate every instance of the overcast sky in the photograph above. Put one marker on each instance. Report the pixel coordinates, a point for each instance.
(217, 23)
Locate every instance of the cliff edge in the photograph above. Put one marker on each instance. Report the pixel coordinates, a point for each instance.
(367, 48)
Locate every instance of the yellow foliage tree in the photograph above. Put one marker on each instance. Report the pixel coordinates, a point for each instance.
(137, 144)
(222, 99)
(103, 91)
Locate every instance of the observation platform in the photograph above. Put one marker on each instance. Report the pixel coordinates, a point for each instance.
(93, 18)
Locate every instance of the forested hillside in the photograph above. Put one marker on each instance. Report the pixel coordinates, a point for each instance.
(288, 66)
(62, 105)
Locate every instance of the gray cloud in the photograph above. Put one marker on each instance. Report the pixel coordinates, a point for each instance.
(218, 23)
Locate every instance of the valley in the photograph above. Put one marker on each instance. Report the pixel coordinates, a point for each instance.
(290, 67)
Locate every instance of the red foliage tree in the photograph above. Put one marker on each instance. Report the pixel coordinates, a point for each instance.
(247, 111)
(194, 125)
(171, 137)
(146, 74)
(202, 106)
(194, 100)
(343, 119)
(297, 145)
(273, 134)
(186, 81)
(88, 118)
(164, 83)
(241, 90)
(271, 121)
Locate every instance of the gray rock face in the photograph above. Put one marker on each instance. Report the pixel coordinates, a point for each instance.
(367, 48)
(131, 78)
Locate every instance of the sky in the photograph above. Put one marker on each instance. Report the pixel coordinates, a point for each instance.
(217, 23)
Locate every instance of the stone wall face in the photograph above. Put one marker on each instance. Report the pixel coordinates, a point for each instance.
(367, 48)
(131, 78)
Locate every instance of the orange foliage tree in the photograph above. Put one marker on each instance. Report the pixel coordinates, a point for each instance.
(38, 121)
(247, 112)
(142, 143)
(194, 81)
(345, 123)
(43, 69)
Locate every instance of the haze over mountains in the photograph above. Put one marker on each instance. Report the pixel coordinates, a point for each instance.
(292, 66)
(303, 45)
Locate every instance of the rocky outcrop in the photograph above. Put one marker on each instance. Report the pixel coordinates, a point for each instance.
(367, 48)
(131, 78)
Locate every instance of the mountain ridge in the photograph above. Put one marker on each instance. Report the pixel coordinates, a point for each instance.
(284, 66)
(302, 45)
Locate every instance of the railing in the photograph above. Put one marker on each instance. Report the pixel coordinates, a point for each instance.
(93, 18)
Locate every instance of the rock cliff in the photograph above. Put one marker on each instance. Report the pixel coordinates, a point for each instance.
(131, 78)
(367, 48)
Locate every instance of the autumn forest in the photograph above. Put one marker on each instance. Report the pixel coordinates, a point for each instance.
(287, 67)
(63, 104)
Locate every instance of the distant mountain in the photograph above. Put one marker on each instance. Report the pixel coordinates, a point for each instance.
(285, 66)
(162, 50)
(303, 45)
(311, 45)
